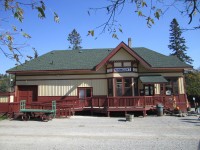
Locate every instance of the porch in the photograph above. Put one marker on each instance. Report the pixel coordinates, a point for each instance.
(101, 104)
(105, 105)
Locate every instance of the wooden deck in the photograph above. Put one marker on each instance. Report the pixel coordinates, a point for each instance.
(102, 105)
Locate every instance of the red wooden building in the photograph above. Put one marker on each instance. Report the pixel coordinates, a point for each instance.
(103, 80)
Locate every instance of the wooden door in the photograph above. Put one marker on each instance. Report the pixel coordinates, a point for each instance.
(28, 93)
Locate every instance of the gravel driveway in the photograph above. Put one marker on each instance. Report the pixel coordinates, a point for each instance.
(93, 133)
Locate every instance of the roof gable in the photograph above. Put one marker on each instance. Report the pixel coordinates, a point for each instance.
(122, 55)
(122, 45)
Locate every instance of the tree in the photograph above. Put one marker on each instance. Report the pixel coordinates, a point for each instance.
(4, 83)
(149, 10)
(177, 43)
(193, 83)
(74, 39)
(8, 46)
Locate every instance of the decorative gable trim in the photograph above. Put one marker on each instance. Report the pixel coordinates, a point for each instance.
(126, 48)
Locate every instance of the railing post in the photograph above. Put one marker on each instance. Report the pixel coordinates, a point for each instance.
(144, 101)
(125, 102)
(117, 101)
(98, 102)
(108, 102)
(92, 102)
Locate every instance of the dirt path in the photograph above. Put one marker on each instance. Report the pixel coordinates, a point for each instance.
(102, 133)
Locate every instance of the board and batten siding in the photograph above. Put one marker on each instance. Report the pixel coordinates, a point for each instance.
(122, 55)
(67, 87)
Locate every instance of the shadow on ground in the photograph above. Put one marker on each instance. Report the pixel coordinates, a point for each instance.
(193, 121)
(122, 120)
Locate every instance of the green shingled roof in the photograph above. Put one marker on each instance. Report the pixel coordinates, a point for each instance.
(88, 59)
(152, 79)
(65, 60)
(157, 60)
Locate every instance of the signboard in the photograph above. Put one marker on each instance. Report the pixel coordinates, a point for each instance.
(122, 69)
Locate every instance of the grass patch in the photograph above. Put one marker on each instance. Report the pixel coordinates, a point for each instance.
(3, 117)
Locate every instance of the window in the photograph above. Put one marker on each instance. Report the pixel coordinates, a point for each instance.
(119, 87)
(127, 64)
(127, 87)
(121, 66)
(84, 92)
(136, 87)
(149, 90)
(81, 93)
(162, 89)
(118, 64)
(123, 86)
(172, 86)
(88, 93)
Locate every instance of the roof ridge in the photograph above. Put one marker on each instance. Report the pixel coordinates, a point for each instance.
(82, 49)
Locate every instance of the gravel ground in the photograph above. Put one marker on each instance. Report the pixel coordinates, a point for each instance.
(93, 133)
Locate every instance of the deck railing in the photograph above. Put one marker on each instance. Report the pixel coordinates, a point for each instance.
(100, 102)
(116, 102)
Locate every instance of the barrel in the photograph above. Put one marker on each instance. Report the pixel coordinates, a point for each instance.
(129, 117)
(159, 108)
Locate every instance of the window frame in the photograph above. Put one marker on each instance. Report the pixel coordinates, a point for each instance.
(149, 86)
(85, 92)
(123, 86)
(173, 82)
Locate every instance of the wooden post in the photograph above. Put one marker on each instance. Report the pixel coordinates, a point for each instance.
(108, 102)
(144, 99)
(144, 112)
(125, 103)
(92, 103)
(108, 114)
(91, 112)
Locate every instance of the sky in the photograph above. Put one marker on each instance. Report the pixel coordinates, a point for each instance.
(46, 35)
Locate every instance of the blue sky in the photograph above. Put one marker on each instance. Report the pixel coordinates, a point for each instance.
(48, 35)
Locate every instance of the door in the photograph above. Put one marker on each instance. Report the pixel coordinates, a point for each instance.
(28, 93)
(148, 90)
(85, 96)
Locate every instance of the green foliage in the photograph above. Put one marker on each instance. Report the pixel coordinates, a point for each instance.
(8, 46)
(193, 83)
(151, 11)
(114, 36)
(75, 40)
(177, 43)
(3, 117)
(91, 32)
(4, 83)
(56, 17)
